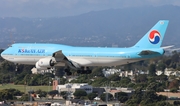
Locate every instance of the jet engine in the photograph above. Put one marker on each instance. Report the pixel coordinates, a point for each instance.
(45, 63)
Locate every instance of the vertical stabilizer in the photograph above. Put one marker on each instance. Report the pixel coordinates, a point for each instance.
(154, 37)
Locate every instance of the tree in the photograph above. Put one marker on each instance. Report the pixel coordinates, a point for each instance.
(136, 98)
(100, 81)
(162, 77)
(173, 90)
(175, 57)
(177, 103)
(41, 93)
(161, 66)
(15, 92)
(124, 81)
(150, 98)
(7, 66)
(25, 97)
(121, 96)
(167, 62)
(163, 103)
(106, 96)
(174, 84)
(64, 94)
(59, 72)
(53, 93)
(151, 95)
(152, 86)
(63, 80)
(152, 70)
(79, 93)
(5, 95)
(91, 96)
(96, 72)
(114, 77)
(132, 102)
(128, 66)
(141, 78)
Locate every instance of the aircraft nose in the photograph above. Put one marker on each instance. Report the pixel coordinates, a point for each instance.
(2, 55)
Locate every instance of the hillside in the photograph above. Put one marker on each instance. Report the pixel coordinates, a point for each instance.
(122, 27)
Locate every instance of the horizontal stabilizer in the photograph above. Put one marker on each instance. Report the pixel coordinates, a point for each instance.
(170, 49)
(167, 47)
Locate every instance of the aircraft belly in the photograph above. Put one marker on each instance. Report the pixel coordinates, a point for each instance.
(110, 61)
(113, 61)
(30, 60)
(95, 61)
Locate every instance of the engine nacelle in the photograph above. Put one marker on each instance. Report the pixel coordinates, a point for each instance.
(45, 63)
(41, 68)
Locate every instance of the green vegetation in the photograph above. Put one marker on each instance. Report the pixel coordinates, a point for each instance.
(106, 97)
(121, 96)
(145, 85)
(9, 94)
(53, 93)
(79, 93)
(64, 94)
(24, 88)
(91, 96)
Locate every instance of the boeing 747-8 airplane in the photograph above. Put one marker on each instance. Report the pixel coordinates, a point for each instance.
(46, 56)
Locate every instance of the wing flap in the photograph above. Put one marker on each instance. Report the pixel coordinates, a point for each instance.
(82, 62)
(60, 57)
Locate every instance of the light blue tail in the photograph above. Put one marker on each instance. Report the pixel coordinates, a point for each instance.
(154, 37)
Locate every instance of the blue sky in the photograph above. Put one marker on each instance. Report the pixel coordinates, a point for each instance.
(59, 8)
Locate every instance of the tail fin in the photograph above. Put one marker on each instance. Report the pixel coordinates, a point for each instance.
(154, 37)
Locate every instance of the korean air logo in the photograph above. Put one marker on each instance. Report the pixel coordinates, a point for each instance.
(154, 37)
(31, 51)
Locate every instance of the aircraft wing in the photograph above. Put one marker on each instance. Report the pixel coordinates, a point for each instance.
(60, 57)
